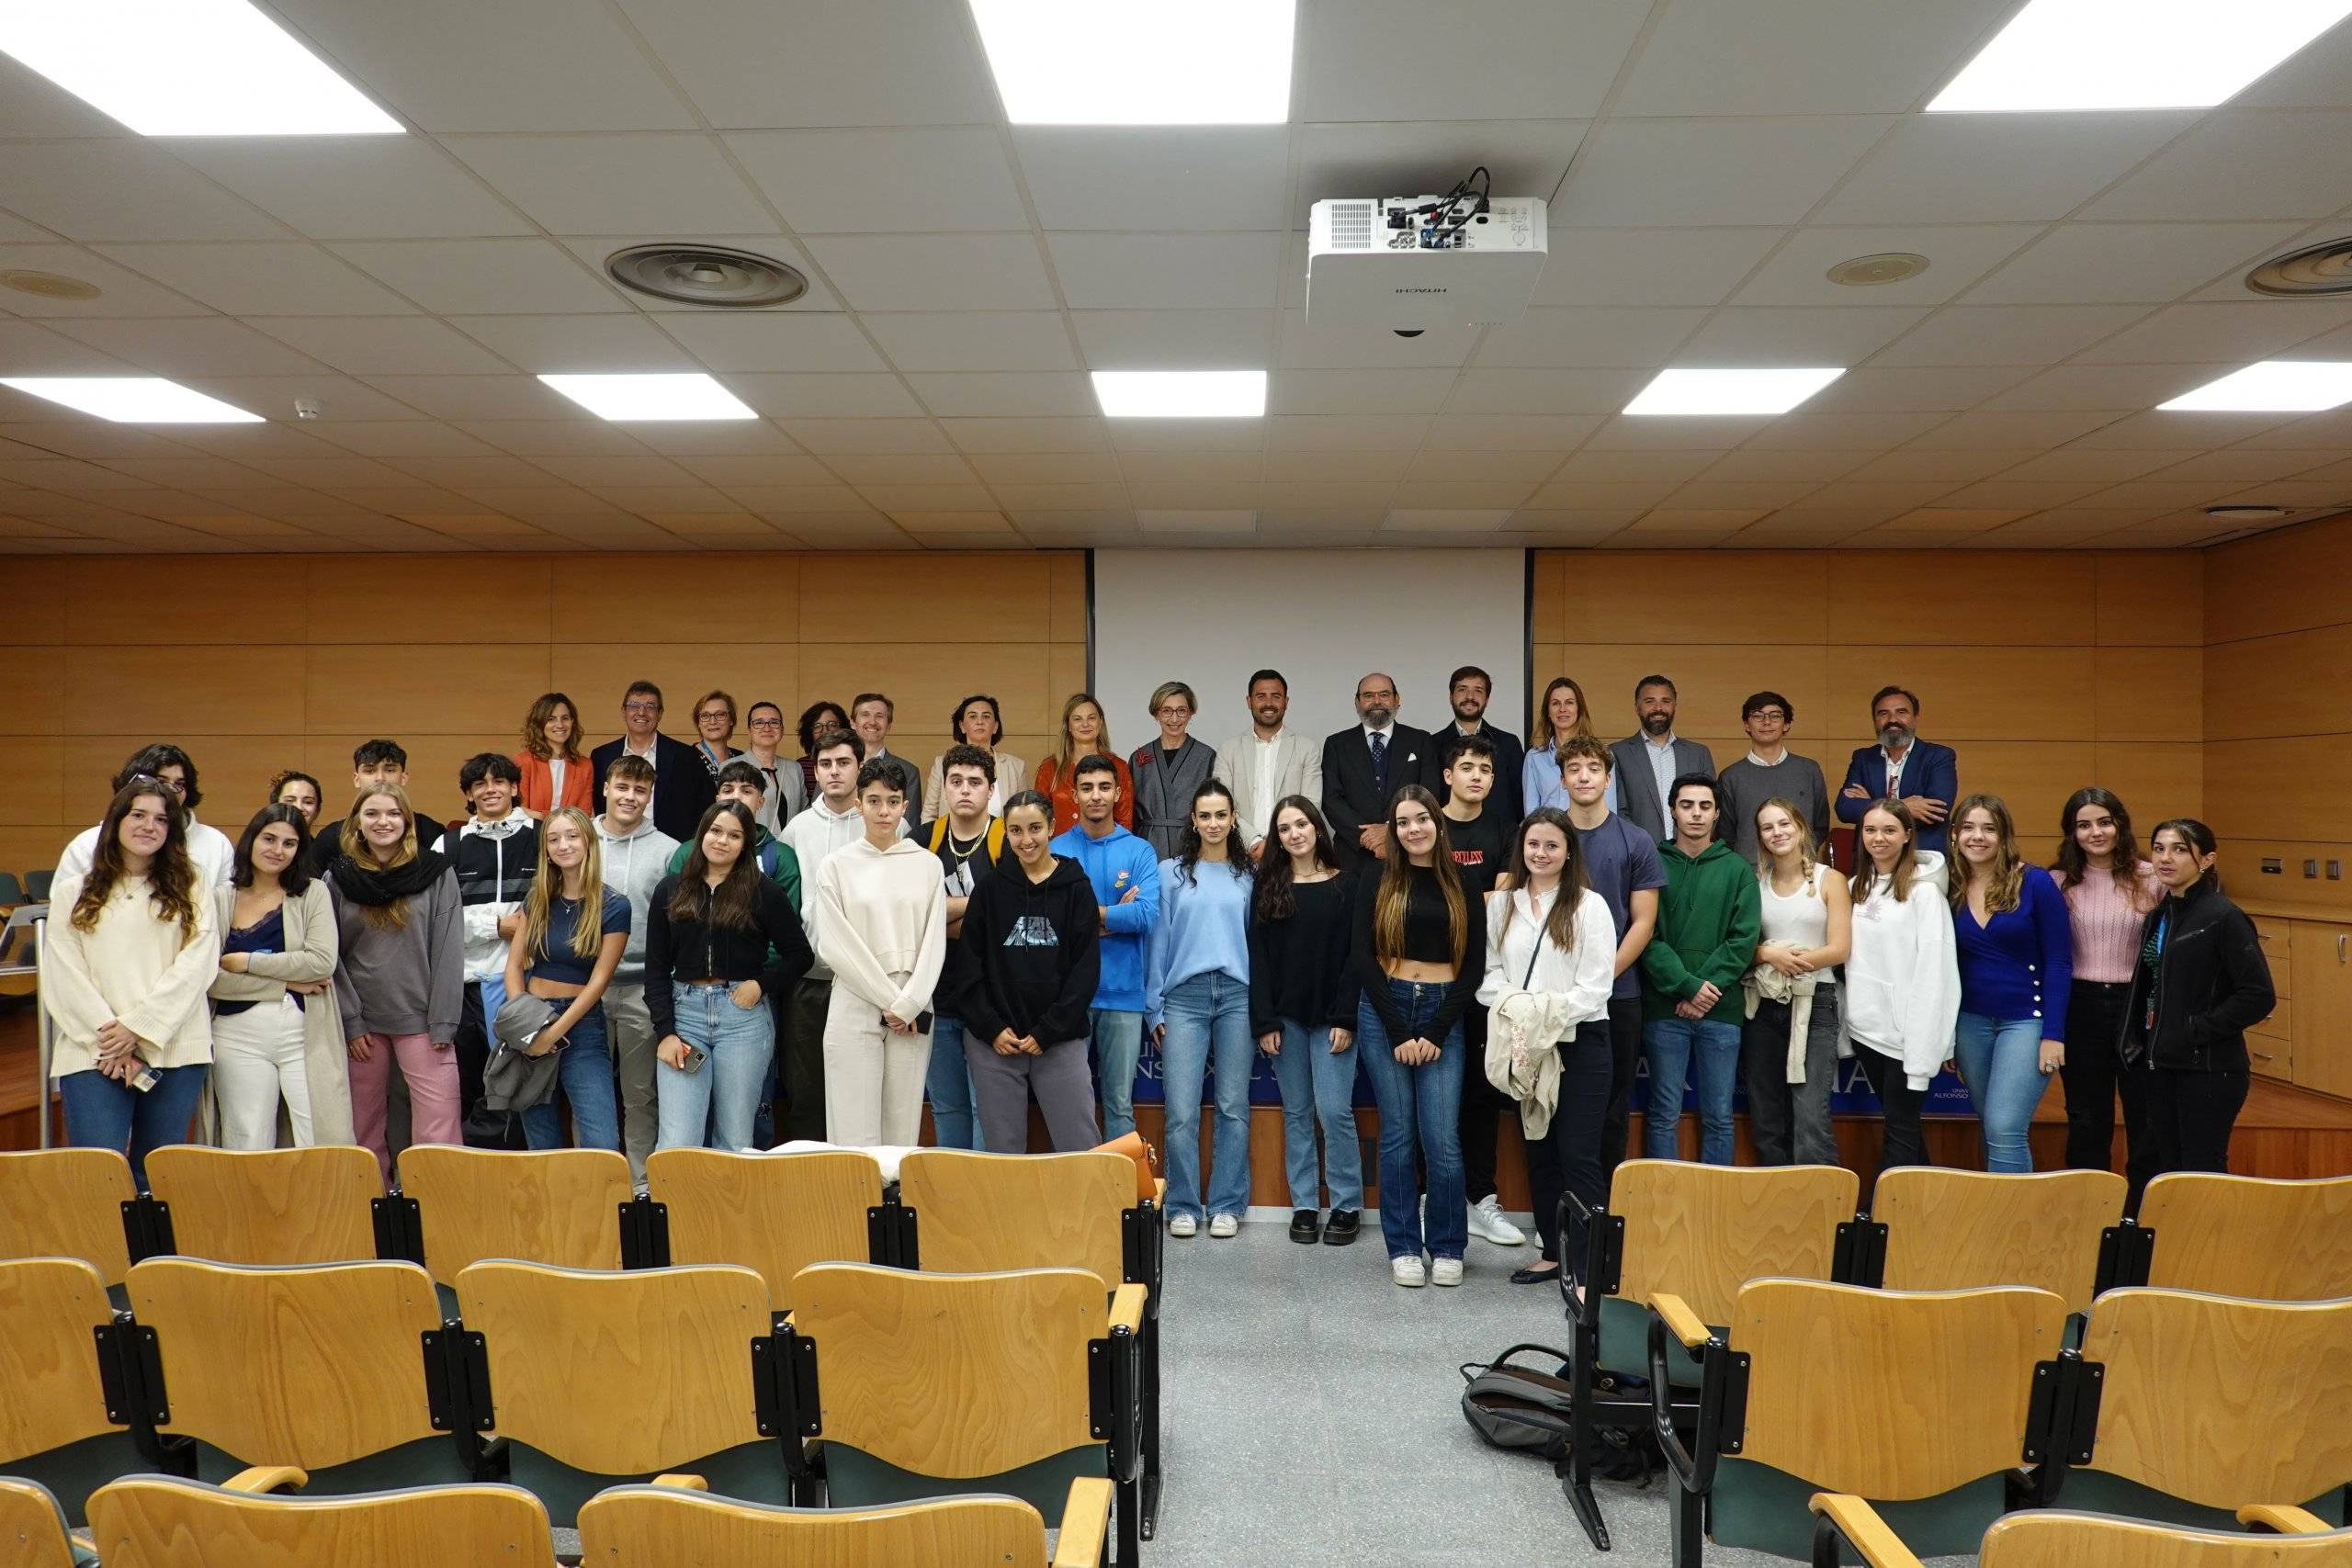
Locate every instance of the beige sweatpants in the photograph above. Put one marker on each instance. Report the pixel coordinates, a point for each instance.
(873, 1078)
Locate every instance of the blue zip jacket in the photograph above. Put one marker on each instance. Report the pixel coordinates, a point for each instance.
(1114, 865)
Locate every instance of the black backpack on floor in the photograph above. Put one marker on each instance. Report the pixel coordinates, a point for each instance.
(1527, 1411)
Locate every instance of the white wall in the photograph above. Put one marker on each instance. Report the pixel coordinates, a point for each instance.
(1322, 617)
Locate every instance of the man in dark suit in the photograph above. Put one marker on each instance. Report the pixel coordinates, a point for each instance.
(1365, 765)
(683, 787)
(1469, 691)
(1922, 775)
(1647, 764)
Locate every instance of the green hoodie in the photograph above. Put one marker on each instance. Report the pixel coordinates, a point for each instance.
(1708, 915)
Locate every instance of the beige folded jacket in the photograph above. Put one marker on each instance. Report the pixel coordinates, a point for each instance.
(1524, 1033)
(1765, 984)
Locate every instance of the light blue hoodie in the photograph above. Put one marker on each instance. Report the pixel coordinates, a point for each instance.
(1114, 865)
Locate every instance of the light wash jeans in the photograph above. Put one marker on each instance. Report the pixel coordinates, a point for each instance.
(740, 1041)
(948, 1086)
(1672, 1044)
(1118, 1046)
(583, 1076)
(1319, 1086)
(1207, 1018)
(2000, 1061)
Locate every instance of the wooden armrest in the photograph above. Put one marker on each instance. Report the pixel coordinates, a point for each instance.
(267, 1478)
(682, 1482)
(1127, 1308)
(1086, 1524)
(1859, 1524)
(1680, 1321)
(2284, 1520)
(1160, 1190)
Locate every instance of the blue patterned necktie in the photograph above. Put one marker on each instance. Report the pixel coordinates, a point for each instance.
(1380, 761)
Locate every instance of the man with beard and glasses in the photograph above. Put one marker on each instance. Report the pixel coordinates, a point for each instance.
(1921, 775)
(1647, 764)
(1267, 762)
(1469, 691)
(1363, 765)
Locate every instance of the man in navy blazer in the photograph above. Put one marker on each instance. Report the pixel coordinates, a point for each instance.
(1925, 775)
(683, 787)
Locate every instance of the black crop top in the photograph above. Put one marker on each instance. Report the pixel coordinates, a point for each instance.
(1427, 939)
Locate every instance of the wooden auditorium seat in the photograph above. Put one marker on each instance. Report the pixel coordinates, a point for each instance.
(2243, 1236)
(1921, 1402)
(154, 1522)
(774, 1213)
(1951, 1230)
(67, 1204)
(270, 1207)
(2039, 1539)
(659, 1527)
(930, 1385)
(556, 1206)
(596, 1377)
(32, 1528)
(55, 1426)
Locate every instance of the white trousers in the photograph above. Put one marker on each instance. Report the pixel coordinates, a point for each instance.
(258, 1056)
(873, 1078)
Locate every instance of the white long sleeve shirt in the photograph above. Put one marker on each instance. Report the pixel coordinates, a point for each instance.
(1585, 974)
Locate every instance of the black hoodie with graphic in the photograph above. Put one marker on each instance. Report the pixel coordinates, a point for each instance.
(1029, 955)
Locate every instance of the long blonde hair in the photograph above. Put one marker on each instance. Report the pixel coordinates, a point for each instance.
(547, 886)
(2004, 883)
(1066, 750)
(1542, 736)
(393, 916)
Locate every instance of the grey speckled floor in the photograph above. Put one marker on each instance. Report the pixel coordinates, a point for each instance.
(1313, 1416)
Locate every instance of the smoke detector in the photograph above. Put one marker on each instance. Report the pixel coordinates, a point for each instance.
(2324, 268)
(705, 275)
(1886, 267)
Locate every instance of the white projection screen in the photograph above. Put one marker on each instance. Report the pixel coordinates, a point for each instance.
(1322, 617)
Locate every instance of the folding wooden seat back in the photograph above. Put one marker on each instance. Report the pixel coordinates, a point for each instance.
(978, 1212)
(32, 1527)
(2041, 1538)
(1951, 1230)
(2244, 1236)
(597, 1378)
(55, 1429)
(271, 1207)
(776, 1213)
(554, 1206)
(660, 1527)
(67, 1204)
(325, 1367)
(154, 1521)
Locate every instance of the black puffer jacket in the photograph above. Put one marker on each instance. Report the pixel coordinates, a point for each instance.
(2210, 987)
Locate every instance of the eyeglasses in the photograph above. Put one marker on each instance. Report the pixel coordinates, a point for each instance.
(641, 707)
(1770, 716)
(767, 724)
(714, 713)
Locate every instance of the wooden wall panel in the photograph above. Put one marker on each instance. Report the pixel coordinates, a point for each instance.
(2148, 694)
(1980, 598)
(1704, 596)
(2151, 598)
(1710, 681)
(2293, 683)
(260, 664)
(2290, 580)
(1970, 694)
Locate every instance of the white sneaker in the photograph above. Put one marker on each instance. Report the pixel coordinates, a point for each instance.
(1445, 1272)
(1486, 1223)
(1409, 1272)
(1182, 1226)
(1225, 1227)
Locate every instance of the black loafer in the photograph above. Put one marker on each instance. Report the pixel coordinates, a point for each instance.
(1536, 1277)
(1306, 1227)
(1340, 1230)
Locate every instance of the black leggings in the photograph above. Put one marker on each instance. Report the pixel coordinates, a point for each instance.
(1904, 1143)
(2093, 1073)
(1624, 1061)
(2192, 1114)
(1483, 1109)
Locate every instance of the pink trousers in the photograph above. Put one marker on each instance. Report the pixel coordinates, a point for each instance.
(434, 1114)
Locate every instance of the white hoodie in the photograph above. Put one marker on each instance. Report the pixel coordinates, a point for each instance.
(1903, 976)
(882, 924)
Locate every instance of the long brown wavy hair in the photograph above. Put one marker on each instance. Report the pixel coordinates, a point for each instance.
(1906, 861)
(171, 880)
(2005, 882)
(1560, 927)
(731, 904)
(1397, 883)
(534, 728)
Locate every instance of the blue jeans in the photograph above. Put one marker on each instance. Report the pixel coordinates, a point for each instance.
(583, 1076)
(1208, 1017)
(1419, 1107)
(1671, 1044)
(948, 1086)
(741, 1042)
(2000, 1061)
(101, 1113)
(1118, 1045)
(1319, 1086)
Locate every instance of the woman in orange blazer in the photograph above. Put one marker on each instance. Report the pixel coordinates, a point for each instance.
(1083, 731)
(555, 771)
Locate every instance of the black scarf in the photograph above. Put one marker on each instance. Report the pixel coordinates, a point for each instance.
(364, 882)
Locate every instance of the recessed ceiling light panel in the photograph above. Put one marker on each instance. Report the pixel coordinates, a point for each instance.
(1139, 62)
(2275, 386)
(1182, 394)
(2146, 54)
(648, 397)
(133, 400)
(1731, 393)
(187, 68)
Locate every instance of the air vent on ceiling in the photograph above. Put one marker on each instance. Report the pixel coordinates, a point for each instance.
(1886, 267)
(705, 275)
(2324, 268)
(47, 284)
(1352, 224)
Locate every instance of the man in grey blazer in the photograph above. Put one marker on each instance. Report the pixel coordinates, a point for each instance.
(1267, 761)
(1647, 764)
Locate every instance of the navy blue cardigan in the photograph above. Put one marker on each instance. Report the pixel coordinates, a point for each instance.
(2021, 962)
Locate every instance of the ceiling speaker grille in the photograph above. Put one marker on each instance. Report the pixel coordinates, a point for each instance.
(2324, 268)
(705, 274)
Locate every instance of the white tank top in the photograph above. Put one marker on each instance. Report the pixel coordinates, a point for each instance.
(1798, 920)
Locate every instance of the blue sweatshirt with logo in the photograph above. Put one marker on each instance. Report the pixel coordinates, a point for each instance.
(1116, 865)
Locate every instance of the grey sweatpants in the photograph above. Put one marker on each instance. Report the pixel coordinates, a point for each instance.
(628, 1026)
(1056, 1075)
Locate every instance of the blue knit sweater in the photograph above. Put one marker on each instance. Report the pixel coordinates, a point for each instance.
(2021, 962)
